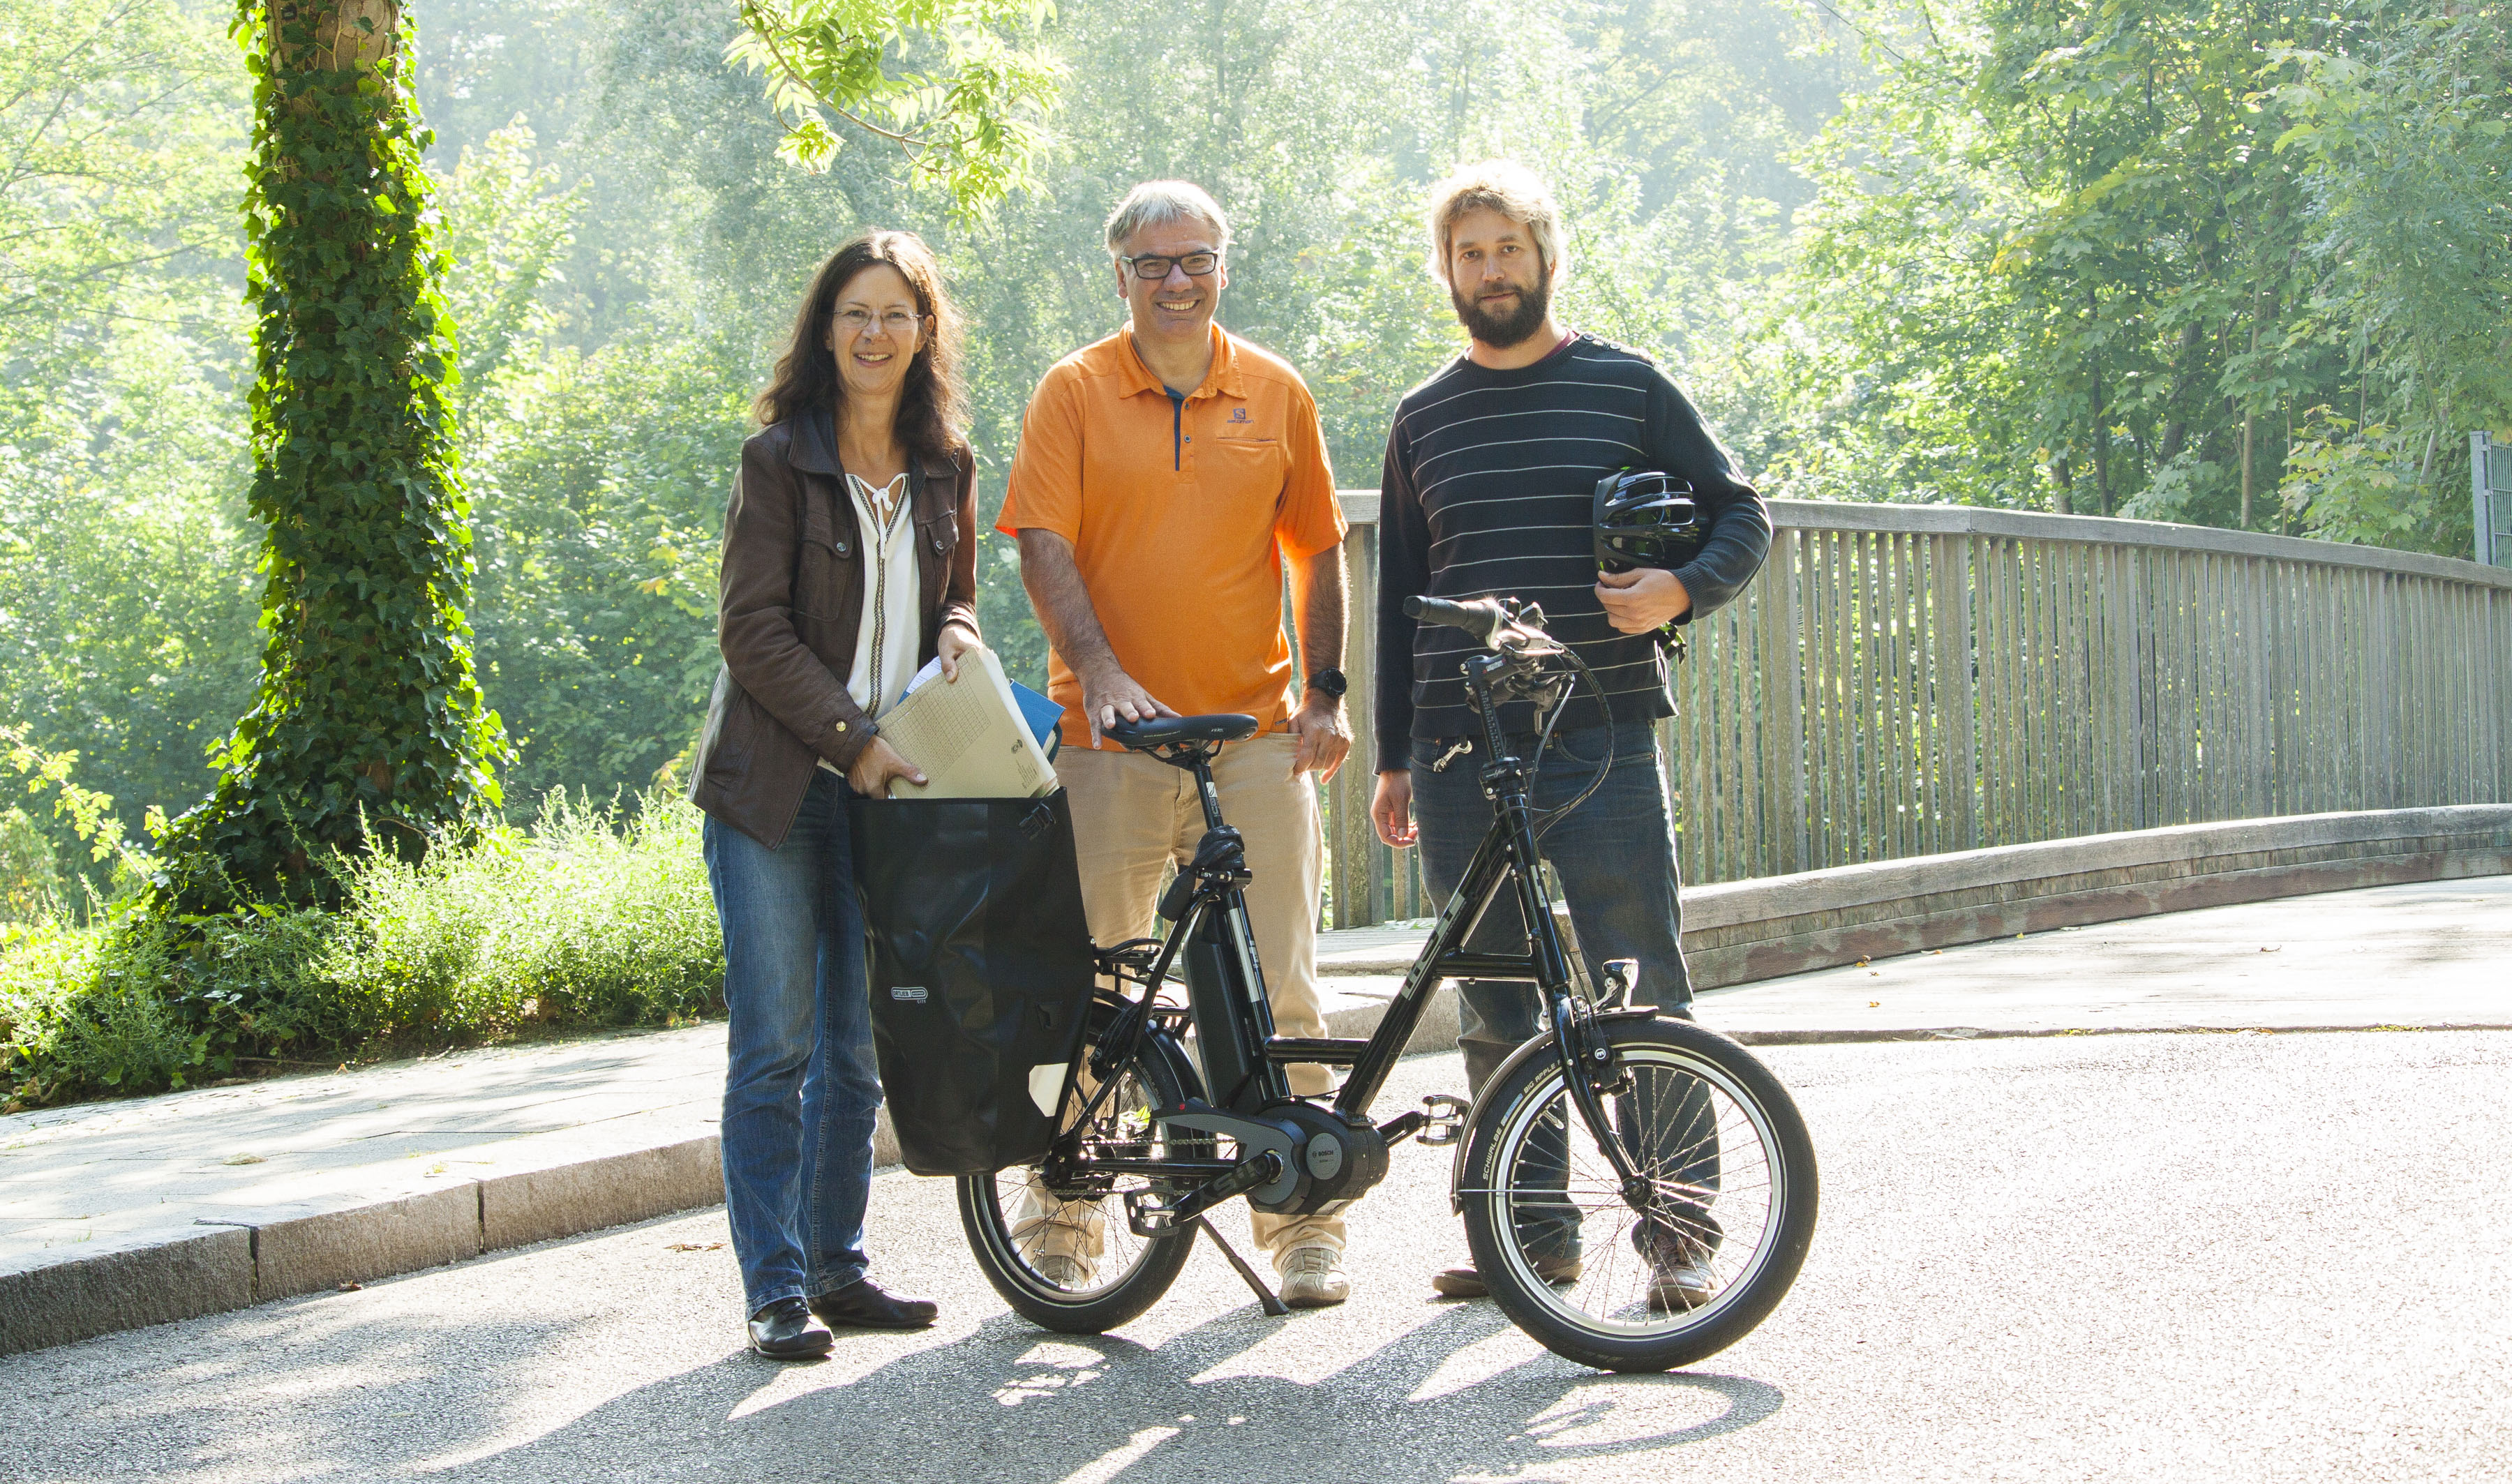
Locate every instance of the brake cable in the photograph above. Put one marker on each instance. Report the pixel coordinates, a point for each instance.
(1604, 765)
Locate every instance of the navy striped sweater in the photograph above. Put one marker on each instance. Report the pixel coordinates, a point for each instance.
(1487, 492)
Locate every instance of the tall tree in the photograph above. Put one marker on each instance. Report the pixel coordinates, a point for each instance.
(2234, 262)
(367, 728)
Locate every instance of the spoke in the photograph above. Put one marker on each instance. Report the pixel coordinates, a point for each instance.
(1709, 1172)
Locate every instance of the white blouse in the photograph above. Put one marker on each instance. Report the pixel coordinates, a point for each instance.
(887, 633)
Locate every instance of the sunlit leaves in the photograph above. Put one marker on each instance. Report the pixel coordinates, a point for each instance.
(963, 87)
(2103, 255)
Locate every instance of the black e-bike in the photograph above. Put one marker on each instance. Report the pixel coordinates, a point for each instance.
(1618, 1148)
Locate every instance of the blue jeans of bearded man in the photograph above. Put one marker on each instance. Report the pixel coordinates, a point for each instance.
(800, 1087)
(1614, 857)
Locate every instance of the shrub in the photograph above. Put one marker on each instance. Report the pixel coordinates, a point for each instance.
(588, 919)
(82, 1014)
(596, 916)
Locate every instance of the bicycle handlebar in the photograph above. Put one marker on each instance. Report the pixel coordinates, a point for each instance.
(1505, 625)
(1480, 618)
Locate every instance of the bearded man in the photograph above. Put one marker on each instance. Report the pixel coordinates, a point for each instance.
(1488, 490)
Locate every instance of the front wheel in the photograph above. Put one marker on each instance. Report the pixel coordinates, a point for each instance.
(1728, 1216)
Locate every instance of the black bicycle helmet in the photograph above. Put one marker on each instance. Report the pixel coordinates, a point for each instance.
(1645, 518)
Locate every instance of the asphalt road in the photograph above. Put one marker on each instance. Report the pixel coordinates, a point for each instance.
(2222, 1257)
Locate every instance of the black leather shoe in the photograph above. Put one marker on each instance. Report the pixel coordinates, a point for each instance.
(861, 1305)
(785, 1331)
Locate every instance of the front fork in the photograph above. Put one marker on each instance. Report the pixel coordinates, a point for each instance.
(1587, 1060)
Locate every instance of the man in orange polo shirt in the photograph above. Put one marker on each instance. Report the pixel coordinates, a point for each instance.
(1167, 476)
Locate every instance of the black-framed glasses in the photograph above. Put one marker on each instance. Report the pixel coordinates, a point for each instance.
(1152, 267)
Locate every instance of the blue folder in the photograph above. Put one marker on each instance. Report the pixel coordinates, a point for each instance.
(1042, 715)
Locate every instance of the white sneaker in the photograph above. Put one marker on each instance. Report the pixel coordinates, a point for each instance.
(1063, 1272)
(1312, 1276)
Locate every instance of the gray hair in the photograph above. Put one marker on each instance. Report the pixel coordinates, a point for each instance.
(1157, 204)
(1496, 185)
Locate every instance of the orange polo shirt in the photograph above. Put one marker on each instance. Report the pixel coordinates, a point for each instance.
(1179, 516)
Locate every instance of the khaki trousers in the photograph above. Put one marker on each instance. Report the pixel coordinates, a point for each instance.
(1133, 818)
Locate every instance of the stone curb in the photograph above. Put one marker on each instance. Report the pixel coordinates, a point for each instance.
(1741, 932)
(2045, 1032)
(253, 1257)
(147, 1281)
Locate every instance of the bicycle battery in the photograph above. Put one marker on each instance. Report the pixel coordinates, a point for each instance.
(1232, 1021)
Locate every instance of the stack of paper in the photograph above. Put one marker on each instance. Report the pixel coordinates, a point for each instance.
(970, 736)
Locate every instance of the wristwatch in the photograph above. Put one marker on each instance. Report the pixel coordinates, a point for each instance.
(1331, 682)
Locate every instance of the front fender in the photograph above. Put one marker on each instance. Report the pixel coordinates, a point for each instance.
(1539, 1044)
(1535, 1045)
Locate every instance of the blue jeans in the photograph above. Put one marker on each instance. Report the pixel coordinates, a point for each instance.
(1614, 859)
(800, 1087)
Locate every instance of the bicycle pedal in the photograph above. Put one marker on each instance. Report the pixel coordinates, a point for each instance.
(1444, 1120)
(1146, 1216)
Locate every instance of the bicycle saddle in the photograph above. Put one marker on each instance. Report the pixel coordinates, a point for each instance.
(1168, 731)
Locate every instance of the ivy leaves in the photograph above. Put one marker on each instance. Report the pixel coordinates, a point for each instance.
(367, 726)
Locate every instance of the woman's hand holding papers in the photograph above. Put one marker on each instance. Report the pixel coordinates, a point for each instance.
(876, 764)
(956, 640)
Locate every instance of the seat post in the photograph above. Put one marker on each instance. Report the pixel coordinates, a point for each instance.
(1202, 765)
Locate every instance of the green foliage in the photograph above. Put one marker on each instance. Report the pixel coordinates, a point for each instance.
(85, 1013)
(126, 631)
(586, 920)
(507, 226)
(367, 715)
(115, 118)
(31, 879)
(590, 918)
(2173, 258)
(31, 887)
(2406, 140)
(601, 483)
(968, 107)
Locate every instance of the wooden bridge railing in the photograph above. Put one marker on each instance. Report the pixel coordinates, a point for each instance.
(1906, 679)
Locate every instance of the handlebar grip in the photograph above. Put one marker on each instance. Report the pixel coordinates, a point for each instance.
(1481, 617)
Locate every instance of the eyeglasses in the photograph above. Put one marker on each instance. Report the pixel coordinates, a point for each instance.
(1153, 268)
(899, 322)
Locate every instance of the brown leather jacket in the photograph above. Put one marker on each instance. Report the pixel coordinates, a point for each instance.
(790, 600)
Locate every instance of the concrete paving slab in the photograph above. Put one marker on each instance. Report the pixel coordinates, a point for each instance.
(2427, 955)
(381, 1132)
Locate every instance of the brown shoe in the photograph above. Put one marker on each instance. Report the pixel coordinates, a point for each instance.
(1681, 1287)
(1679, 1259)
(1463, 1282)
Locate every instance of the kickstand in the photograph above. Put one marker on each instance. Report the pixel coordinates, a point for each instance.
(1272, 1306)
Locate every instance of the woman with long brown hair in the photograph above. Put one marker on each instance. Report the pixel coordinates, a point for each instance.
(849, 561)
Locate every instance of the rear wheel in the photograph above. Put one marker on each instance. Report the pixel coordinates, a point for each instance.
(1730, 1213)
(1065, 1259)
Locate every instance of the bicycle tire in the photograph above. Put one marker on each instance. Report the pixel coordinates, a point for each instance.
(1748, 1227)
(1160, 1074)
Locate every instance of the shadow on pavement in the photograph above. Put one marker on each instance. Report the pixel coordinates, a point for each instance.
(1011, 1402)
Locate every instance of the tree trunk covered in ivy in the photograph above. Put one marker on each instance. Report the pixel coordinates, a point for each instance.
(368, 730)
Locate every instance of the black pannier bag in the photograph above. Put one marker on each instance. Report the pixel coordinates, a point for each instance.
(978, 959)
